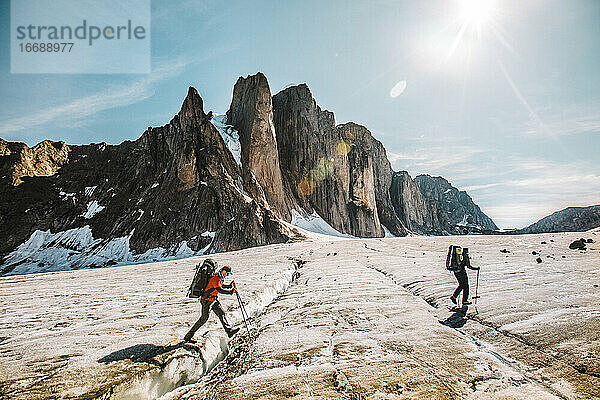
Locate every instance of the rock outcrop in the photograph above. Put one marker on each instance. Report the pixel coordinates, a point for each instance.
(454, 206)
(571, 219)
(361, 140)
(314, 158)
(341, 172)
(18, 161)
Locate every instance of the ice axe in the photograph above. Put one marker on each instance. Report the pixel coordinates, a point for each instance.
(243, 310)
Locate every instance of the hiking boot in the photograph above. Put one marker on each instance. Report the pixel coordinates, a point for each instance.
(232, 332)
(453, 299)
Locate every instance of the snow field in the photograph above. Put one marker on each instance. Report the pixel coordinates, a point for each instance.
(360, 319)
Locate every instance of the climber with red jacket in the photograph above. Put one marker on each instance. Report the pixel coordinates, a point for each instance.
(210, 300)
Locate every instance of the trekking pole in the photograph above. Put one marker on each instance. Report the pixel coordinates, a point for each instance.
(245, 313)
(477, 286)
(242, 306)
(243, 310)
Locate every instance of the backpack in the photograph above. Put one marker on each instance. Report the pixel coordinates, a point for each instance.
(457, 259)
(203, 273)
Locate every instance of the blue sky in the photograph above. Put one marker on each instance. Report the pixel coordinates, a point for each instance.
(510, 112)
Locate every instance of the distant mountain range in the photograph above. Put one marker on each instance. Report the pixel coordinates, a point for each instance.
(210, 183)
(571, 219)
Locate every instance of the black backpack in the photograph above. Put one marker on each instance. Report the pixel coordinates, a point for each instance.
(457, 259)
(203, 273)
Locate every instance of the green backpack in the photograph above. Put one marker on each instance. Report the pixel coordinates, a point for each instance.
(457, 259)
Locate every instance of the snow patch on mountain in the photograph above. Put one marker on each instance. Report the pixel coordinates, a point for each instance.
(315, 223)
(93, 208)
(230, 136)
(89, 190)
(76, 248)
(465, 220)
(388, 234)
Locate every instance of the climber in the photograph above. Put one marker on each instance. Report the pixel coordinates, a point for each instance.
(210, 300)
(457, 261)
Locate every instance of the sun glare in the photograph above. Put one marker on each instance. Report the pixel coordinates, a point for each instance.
(477, 12)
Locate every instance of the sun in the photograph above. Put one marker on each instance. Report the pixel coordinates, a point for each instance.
(477, 12)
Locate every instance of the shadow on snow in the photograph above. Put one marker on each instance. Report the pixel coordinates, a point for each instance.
(144, 353)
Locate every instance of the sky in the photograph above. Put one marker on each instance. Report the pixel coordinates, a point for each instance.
(503, 101)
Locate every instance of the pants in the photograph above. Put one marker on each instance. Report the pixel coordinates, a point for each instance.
(463, 284)
(206, 306)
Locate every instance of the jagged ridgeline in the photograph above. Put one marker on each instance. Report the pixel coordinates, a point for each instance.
(199, 185)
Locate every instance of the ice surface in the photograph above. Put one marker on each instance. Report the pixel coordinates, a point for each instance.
(365, 323)
(230, 136)
(358, 319)
(388, 234)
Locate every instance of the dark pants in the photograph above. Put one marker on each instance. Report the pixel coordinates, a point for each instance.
(463, 284)
(206, 306)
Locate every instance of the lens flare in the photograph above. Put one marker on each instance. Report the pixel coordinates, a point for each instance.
(343, 147)
(398, 89)
(305, 187)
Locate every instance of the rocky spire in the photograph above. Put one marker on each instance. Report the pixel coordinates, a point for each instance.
(251, 113)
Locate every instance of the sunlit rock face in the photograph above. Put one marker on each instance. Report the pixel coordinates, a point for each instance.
(362, 142)
(175, 190)
(322, 165)
(251, 113)
(18, 161)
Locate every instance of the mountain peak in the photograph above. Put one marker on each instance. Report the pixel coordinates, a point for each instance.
(297, 92)
(193, 105)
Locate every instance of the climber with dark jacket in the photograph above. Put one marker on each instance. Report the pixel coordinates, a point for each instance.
(210, 300)
(458, 261)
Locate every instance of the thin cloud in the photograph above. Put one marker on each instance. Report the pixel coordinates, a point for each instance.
(480, 187)
(574, 120)
(435, 159)
(114, 97)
